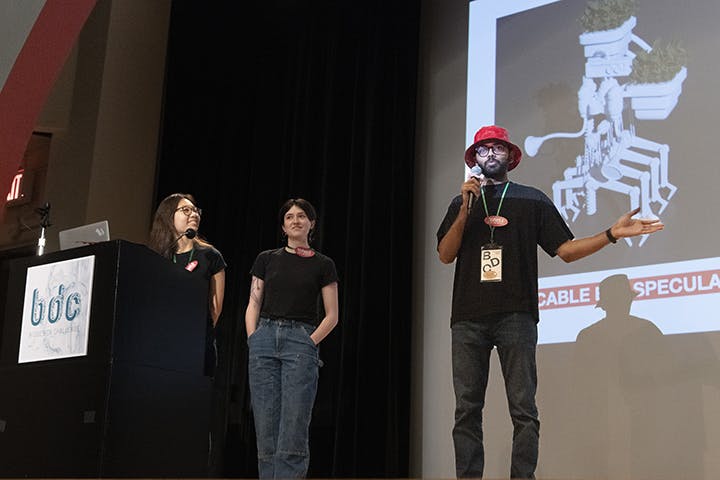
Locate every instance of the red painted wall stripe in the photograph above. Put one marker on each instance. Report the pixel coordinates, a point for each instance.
(34, 73)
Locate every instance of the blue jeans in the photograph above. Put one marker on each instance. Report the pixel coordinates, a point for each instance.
(515, 336)
(283, 376)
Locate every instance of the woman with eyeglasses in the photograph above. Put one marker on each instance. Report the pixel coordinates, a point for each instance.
(285, 324)
(174, 235)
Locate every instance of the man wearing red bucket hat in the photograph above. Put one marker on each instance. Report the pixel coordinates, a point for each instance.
(495, 293)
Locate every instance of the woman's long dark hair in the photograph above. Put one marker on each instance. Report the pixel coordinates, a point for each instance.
(163, 237)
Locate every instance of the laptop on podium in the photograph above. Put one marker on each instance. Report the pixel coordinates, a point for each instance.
(83, 235)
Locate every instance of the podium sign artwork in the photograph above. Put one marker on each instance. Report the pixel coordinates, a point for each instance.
(56, 310)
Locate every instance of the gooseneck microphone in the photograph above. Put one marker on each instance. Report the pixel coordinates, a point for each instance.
(189, 233)
(44, 213)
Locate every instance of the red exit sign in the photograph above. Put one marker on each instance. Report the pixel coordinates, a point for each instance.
(20, 189)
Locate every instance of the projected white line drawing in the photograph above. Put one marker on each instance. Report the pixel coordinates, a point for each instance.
(615, 158)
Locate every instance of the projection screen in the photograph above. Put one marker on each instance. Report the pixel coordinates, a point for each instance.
(601, 140)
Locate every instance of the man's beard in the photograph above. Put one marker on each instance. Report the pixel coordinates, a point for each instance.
(497, 170)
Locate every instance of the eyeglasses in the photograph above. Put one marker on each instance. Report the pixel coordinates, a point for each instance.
(188, 210)
(497, 149)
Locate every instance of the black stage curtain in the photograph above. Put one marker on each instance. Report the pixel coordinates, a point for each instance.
(270, 100)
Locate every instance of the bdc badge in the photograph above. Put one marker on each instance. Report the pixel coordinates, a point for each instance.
(491, 263)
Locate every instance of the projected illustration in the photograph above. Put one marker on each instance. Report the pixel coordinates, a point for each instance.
(615, 157)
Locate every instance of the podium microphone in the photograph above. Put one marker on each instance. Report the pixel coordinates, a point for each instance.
(189, 233)
(44, 213)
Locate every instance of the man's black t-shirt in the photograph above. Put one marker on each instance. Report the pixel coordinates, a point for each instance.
(293, 284)
(532, 220)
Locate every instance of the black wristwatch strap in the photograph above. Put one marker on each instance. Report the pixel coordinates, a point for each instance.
(610, 236)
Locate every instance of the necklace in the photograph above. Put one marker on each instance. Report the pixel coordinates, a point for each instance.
(192, 252)
(304, 252)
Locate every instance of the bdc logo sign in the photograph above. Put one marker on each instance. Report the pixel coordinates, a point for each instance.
(56, 310)
(65, 305)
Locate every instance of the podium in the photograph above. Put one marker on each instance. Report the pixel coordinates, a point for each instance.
(137, 403)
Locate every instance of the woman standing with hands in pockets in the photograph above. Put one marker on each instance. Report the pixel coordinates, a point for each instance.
(284, 329)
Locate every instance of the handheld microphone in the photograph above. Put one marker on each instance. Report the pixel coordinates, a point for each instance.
(475, 172)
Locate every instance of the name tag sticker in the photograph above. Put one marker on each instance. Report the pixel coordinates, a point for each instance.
(491, 263)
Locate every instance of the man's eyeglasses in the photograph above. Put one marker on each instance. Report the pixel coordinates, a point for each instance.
(188, 210)
(497, 149)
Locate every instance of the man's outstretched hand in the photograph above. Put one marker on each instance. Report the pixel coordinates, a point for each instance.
(626, 226)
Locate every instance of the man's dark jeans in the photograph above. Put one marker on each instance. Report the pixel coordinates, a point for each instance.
(515, 336)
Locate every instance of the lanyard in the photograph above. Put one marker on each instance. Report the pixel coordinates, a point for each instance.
(487, 214)
(192, 252)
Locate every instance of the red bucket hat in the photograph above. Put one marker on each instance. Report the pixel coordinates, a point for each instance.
(492, 132)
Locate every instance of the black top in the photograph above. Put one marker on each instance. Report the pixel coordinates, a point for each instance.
(532, 220)
(209, 261)
(293, 284)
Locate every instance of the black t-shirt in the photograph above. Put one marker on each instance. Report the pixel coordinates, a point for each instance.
(203, 262)
(532, 220)
(209, 261)
(293, 284)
